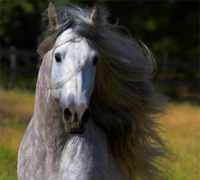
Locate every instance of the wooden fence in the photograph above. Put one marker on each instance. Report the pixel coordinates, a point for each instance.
(13, 55)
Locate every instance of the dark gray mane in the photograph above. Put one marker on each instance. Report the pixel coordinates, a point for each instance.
(80, 27)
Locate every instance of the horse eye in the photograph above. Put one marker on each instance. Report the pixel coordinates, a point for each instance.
(58, 57)
(95, 60)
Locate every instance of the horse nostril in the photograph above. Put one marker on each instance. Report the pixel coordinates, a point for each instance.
(86, 116)
(67, 114)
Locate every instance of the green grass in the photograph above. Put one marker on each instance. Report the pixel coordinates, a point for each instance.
(8, 163)
(22, 81)
(182, 125)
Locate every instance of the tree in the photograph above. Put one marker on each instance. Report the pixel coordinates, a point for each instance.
(171, 26)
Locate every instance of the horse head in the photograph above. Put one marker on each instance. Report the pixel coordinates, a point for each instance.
(73, 69)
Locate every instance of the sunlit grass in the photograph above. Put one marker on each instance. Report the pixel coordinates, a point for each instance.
(16, 109)
(182, 125)
(16, 106)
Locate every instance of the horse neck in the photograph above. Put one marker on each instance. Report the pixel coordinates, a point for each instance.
(48, 124)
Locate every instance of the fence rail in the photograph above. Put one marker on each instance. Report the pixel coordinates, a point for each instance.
(193, 65)
(13, 55)
(178, 82)
(19, 71)
(17, 52)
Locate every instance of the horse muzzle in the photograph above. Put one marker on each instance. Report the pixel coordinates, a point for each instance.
(74, 121)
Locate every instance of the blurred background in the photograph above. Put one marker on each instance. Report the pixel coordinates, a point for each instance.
(169, 28)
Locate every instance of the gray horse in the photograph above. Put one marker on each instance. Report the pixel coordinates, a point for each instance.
(95, 108)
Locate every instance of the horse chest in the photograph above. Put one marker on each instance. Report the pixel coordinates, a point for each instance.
(83, 157)
(83, 161)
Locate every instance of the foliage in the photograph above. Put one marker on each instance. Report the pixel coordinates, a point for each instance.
(20, 22)
(163, 25)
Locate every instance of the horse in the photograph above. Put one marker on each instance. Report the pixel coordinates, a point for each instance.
(96, 108)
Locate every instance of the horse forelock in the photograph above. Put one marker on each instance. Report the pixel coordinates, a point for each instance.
(77, 20)
(124, 102)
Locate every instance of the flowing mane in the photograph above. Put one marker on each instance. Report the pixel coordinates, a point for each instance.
(124, 102)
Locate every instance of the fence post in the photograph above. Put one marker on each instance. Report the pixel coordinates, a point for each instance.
(13, 65)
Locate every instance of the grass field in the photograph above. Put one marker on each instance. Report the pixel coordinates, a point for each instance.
(182, 125)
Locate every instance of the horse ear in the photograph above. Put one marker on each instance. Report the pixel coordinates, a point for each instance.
(96, 16)
(53, 17)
